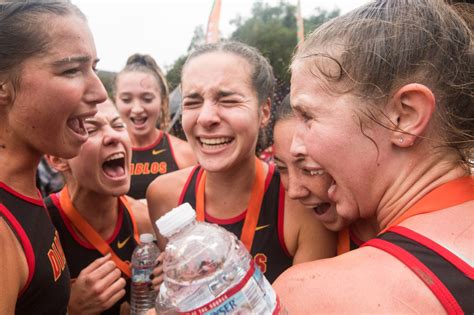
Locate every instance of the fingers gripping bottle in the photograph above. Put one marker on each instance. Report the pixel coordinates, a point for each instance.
(143, 262)
(207, 270)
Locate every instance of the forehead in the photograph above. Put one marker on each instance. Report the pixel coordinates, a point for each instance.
(136, 79)
(69, 36)
(217, 67)
(106, 110)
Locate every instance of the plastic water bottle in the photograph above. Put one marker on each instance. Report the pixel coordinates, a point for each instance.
(143, 262)
(207, 270)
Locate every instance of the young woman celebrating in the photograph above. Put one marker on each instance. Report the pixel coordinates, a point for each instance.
(227, 90)
(383, 97)
(141, 95)
(48, 87)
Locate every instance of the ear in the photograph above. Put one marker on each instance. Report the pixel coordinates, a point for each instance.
(265, 112)
(411, 110)
(6, 92)
(58, 163)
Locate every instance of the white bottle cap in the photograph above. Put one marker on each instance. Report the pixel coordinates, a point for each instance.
(176, 219)
(146, 238)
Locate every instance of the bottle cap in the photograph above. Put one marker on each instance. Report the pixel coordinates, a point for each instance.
(176, 219)
(146, 238)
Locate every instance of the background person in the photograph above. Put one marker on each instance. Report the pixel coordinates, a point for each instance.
(48, 87)
(141, 95)
(383, 97)
(227, 90)
(93, 218)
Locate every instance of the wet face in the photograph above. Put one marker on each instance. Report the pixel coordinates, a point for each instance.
(221, 114)
(102, 166)
(303, 179)
(58, 90)
(139, 103)
(328, 126)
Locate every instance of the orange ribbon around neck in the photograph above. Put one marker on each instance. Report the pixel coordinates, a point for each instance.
(89, 233)
(450, 194)
(253, 209)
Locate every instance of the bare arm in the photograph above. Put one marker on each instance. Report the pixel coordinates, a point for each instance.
(183, 153)
(139, 209)
(306, 238)
(13, 269)
(163, 195)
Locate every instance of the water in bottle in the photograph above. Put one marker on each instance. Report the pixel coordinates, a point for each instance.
(143, 262)
(207, 270)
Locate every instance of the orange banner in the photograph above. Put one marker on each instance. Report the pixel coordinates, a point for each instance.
(212, 34)
(299, 24)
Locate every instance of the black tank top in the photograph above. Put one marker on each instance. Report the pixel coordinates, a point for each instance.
(48, 284)
(268, 248)
(150, 162)
(447, 275)
(80, 253)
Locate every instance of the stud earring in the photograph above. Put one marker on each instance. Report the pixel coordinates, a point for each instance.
(400, 140)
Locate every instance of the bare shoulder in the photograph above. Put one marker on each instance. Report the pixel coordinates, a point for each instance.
(366, 280)
(13, 269)
(305, 237)
(183, 152)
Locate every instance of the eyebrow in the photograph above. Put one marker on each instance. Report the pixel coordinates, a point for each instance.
(80, 59)
(192, 95)
(95, 121)
(278, 159)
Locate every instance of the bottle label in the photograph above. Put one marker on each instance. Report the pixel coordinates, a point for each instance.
(252, 294)
(141, 274)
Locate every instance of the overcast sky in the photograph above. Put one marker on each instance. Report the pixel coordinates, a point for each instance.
(164, 28)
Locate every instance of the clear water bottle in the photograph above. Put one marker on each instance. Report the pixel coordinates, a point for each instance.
(143, 262)
(207, 270)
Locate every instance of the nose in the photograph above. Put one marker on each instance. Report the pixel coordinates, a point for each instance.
(297, 147)
(95, 91)
(295, 189)
(111, 136)
(208, 114)
(137, 107)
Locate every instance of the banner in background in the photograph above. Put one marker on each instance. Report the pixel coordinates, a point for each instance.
(299, 24)
(212, 34)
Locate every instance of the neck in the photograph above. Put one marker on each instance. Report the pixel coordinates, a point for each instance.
(140, 141)
(413, 185)
(235, 184)
(19, 165)
(100, 211)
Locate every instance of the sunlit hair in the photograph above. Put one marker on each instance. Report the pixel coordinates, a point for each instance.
(376, 49)
(146, 64)
(262, 78)
(24, 32)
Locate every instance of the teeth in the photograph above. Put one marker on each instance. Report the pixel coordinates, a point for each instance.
(318, 172)
(215, 141)
(115, 156)
(139, 121)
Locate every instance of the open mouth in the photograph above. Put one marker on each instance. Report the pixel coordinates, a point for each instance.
(322, 208)
(76, 124)
(139, 121)
(114, 166)
(215, 143)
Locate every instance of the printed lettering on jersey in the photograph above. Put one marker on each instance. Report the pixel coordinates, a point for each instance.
(147, 168)
(56, 257)
(261, 261)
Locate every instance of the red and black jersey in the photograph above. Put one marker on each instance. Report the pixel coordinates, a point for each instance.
(150, 162)
(48, 284)
(80, 253)
(448, 276)
(268, 248)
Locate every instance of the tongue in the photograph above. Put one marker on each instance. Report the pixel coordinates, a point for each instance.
(77, 125)
(113, 170)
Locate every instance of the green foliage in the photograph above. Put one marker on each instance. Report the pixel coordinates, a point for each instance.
(173, 75)
(271, 29)
(107, 79)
